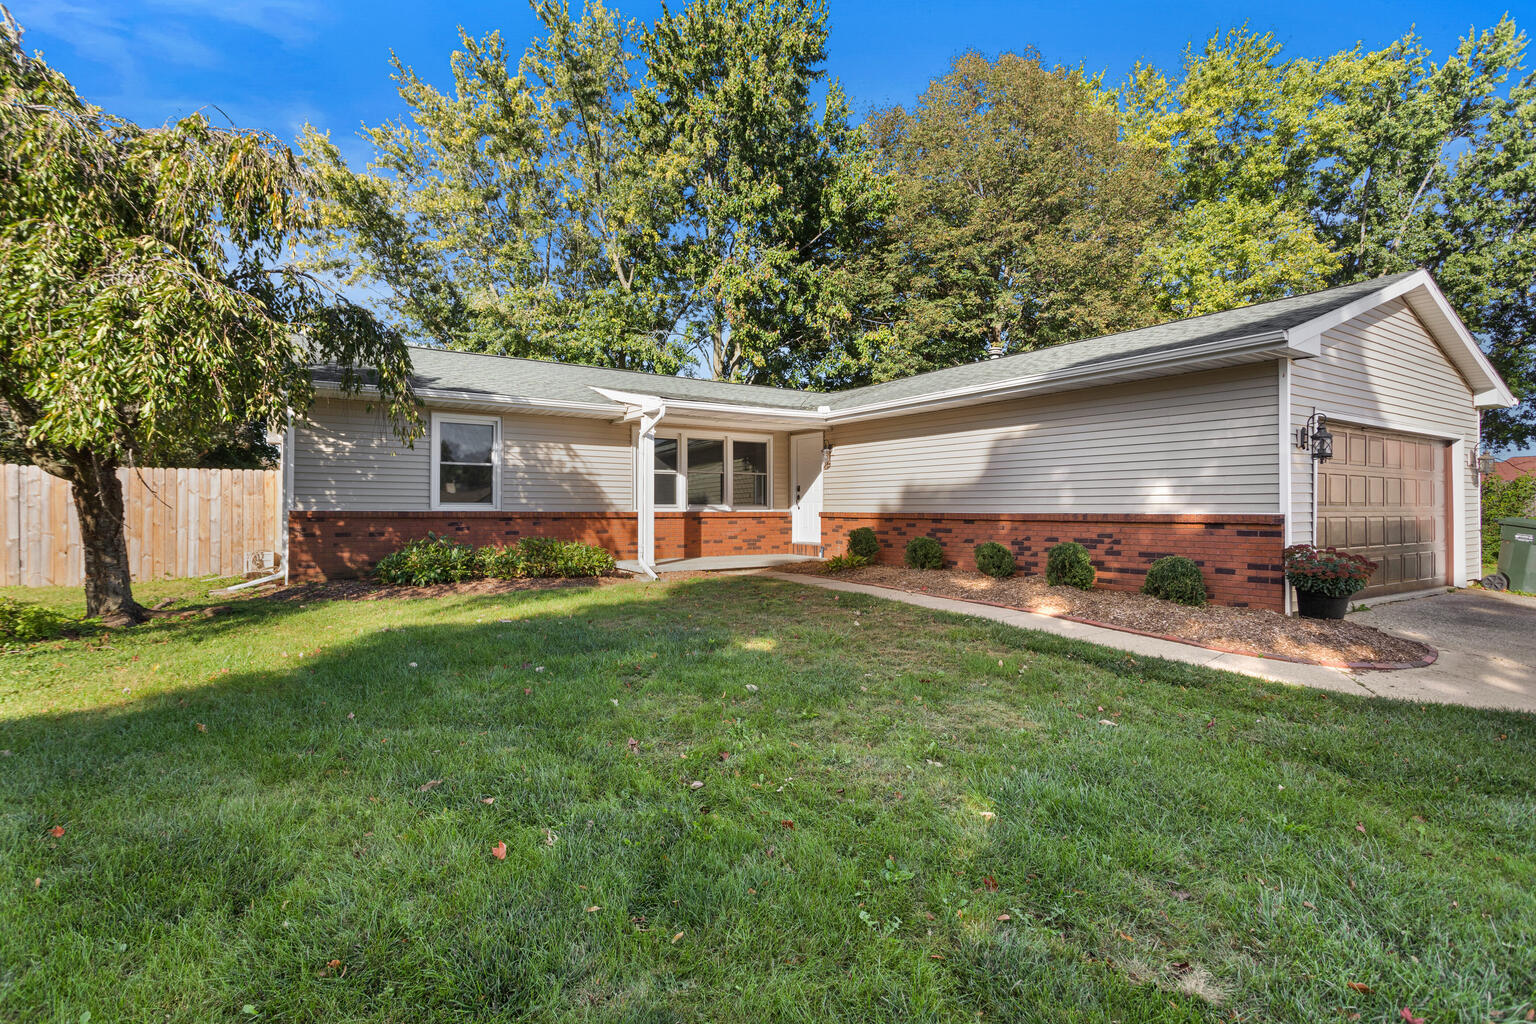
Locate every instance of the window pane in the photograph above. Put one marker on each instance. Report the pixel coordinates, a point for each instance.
(465, 442)
(666, 454)
(706, 472)
(750, 488)
(465, 485)
(666, 488)
(749, 457)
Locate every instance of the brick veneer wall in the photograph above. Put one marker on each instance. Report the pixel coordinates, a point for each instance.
(1239, 554)
(339, 545)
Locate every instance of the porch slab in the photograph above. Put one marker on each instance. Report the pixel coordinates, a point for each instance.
(716, 563)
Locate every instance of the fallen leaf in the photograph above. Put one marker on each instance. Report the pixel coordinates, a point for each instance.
(989, 882)
(593, 910)
(1359, 827)
(429, 784)
(499, 851)
(333, 964)
(487, 800)
(1408, 1016)
(201, 727)
(634, 745)
(1124, 937)
(57, 831)
(1359, 986)
(676, 937)
(787, 823)
(696, 784)
(1004, 917)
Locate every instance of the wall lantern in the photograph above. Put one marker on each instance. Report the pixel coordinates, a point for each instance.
(826, 457)
(1316, 438)
(1482, 465)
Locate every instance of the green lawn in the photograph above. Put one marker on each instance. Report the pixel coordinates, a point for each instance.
(289, 812)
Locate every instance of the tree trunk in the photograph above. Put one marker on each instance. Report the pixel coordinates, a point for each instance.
(98, 498)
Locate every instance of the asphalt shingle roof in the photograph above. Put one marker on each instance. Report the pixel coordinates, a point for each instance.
(477, 375)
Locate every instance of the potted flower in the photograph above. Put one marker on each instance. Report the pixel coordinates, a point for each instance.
(1325, 578)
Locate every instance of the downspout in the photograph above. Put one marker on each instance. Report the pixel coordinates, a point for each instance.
(651, 413)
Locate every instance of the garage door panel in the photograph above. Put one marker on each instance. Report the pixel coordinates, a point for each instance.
(1383, 496)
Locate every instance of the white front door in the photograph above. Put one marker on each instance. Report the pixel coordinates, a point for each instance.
(805, 484)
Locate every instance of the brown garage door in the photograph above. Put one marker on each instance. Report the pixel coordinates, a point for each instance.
(1382, 495)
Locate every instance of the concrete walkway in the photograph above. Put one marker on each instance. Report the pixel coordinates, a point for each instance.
(1409, 684)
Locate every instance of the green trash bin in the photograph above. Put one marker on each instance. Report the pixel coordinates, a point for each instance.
(1517, 553)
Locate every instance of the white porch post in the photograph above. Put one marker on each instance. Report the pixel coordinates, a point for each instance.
(645, 483)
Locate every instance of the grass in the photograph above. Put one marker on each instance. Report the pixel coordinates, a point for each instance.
(289, 812)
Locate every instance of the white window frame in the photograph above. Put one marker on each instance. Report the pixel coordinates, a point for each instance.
(683, 436)
(497, 458)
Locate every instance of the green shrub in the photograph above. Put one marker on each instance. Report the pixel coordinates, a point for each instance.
(25, 623)
(995, 560)
(1067, 564)
(544, 556)
(1176, 579)
(841, 563)
(925, 553)
(864, 543)
(431, 559)
(1504, 499)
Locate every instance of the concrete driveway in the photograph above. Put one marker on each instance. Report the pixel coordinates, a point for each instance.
(1487, 645)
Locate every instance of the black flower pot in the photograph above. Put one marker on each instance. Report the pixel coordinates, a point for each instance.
(1313, 605)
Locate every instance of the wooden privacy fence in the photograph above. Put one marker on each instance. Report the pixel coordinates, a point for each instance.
(181, 522)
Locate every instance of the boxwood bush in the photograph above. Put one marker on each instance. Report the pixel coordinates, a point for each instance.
(925, 553)
(544, 556)
(428, 560)
(1067, 564)
(1177, 579)
(995, 560)
(25, 623)
(864, 543)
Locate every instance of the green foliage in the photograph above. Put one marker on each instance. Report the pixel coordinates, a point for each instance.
(995, 560)
(1296, 174)
(148, 300)
(864, 543)
(842, 563)
(545, 556)
(426, 561)
(22, 622)
(1068, 565)
(924, 553)
(1019, 215)
(1504, 499)
(1177, 579)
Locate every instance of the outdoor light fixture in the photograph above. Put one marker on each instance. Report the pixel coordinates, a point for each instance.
(826, 456)
(1482, 465)
(1316, 438)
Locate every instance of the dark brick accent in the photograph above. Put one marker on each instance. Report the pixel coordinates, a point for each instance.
(341, 545)
(1229, 548)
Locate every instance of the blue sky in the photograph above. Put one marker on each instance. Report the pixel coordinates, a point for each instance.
(276, 64)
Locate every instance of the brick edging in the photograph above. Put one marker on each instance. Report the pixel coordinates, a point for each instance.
(1381, 666)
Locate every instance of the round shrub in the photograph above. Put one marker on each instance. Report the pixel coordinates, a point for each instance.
(995, 560)
(431, 559)
(864, 543)
(1067, 565)
(925, 553)
(545, 556)
(1176, 579)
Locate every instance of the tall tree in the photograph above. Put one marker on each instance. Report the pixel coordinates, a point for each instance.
(513, 214)
(148, 302)
(1019, 218)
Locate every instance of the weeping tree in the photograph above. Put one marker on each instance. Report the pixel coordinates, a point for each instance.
(150, 301)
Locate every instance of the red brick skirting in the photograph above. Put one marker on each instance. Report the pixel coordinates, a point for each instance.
(1239, 554)
(340, 545)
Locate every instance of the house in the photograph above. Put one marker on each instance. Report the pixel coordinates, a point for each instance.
(1511, 469)
(1184, 438)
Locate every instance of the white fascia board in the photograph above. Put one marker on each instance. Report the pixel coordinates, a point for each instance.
(637, 403)
(500, 401)
(1421, 292)
(1271, 342)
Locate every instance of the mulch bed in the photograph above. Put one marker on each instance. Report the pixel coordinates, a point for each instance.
(1258, 632)
(368, 590)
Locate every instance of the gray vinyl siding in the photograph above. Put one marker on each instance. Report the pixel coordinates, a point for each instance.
(1383, 369)
(1198, 443)
(346, 459)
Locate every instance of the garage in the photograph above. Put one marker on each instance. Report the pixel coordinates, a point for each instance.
(1383, 495)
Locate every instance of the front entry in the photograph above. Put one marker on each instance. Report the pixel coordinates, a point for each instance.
(805, 488)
